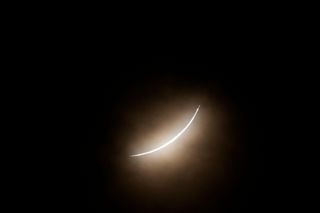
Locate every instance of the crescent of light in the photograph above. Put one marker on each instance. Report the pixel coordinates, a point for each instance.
(170, 141)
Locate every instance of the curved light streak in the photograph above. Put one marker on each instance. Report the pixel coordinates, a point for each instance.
(170, 141)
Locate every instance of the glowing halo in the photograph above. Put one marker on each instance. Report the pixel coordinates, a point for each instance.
(170, 141)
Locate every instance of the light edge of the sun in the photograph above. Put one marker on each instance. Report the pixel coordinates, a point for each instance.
(171, 140)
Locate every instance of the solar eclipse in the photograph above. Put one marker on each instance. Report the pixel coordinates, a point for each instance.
(171, 140)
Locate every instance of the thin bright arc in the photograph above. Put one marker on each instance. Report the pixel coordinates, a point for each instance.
(170, 141)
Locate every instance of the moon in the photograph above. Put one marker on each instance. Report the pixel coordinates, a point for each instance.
(170, 141)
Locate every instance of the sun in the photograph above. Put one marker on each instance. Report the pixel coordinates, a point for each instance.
(171, 140)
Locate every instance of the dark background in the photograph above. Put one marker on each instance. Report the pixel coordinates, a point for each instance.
(257, 70)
